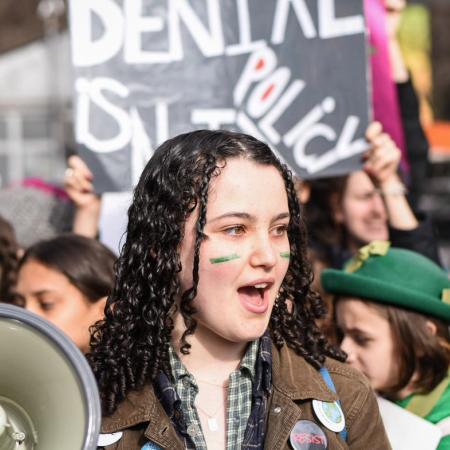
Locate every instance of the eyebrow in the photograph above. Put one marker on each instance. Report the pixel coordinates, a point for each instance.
(355, 330)
(41, 292)
(246, 216)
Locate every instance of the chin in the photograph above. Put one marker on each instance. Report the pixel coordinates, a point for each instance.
(377, 234)
(369, 236)
(248, 334)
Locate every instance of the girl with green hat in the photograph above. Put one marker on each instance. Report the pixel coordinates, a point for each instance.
(393, 316)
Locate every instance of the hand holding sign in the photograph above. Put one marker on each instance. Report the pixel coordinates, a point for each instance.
(383, 158)
(79, 187)
(78, 182)
(382, 162)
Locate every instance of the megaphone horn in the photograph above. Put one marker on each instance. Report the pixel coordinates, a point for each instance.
(48, 394)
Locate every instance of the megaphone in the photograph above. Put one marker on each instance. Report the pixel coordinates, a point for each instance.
(48, 394)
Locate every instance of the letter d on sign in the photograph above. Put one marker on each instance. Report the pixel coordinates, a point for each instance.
(85, 50)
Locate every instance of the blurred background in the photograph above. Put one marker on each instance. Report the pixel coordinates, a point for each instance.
(36, 93)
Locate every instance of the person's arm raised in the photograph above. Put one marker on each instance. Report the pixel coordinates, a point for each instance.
(381, 164)
(394, 9)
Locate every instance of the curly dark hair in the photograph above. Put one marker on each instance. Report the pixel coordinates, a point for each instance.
(130, 346)
(8, 261)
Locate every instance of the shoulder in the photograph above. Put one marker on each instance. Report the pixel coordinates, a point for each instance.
(362, 416)
(343, 373)
(293, 374)
(299, 381)
(353, 388)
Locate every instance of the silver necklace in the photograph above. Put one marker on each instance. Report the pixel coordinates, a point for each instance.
(213, 424)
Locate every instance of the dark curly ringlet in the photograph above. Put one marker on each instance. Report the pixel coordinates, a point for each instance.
(130, 347)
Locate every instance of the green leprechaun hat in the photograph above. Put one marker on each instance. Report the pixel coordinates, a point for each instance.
(393, 276)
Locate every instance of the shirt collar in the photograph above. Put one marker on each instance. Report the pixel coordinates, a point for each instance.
(262, 384)
(178, 369)
(139, 406)
(248, 362)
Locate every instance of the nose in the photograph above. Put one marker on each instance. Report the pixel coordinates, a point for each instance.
(263, 253)
(31, 306)
(378, 205)
(347, 346)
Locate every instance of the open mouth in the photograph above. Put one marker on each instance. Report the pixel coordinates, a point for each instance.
(255, 298)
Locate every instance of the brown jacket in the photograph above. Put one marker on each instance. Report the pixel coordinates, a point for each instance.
(295, 384)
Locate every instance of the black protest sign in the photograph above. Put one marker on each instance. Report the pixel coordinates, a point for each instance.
(290, 72)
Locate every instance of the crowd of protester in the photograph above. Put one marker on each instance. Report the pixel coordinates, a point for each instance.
(233, 302)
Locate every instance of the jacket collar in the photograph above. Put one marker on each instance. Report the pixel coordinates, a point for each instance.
(291, 375)
(141, 407)
(138, 407)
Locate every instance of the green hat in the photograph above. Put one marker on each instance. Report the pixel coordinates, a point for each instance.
(393, 276)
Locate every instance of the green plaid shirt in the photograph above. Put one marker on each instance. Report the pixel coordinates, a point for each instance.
(239, 399)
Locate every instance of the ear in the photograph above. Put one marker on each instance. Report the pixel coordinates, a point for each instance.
(98, 308)
(431, 327)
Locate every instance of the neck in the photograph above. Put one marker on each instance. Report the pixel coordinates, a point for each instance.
(408, 389)
(354, 244)
(404, 393)
(211, 358)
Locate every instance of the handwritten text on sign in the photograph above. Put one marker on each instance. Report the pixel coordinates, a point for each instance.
(290, 72)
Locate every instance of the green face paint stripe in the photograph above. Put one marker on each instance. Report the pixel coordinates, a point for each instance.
(285, 255)
(224, 258)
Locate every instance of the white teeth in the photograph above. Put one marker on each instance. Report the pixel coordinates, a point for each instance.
(261, 286)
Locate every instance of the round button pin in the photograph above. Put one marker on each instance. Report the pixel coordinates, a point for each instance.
(330, 415)
(306, 435)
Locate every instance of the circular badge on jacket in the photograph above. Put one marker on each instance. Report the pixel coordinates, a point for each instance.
(330, 414)
(307, 435)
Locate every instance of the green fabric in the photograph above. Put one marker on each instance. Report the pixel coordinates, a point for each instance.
(239, 398)
(422, 405)
(400, 277)
(440, 411)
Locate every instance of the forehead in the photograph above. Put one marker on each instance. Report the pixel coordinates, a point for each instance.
(357, 182)
(245, 184)
(357, 313)
(34, 274)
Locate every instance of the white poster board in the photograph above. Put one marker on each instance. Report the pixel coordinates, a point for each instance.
(405, 430)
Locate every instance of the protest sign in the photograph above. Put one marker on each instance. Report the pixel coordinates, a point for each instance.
(290, 72)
